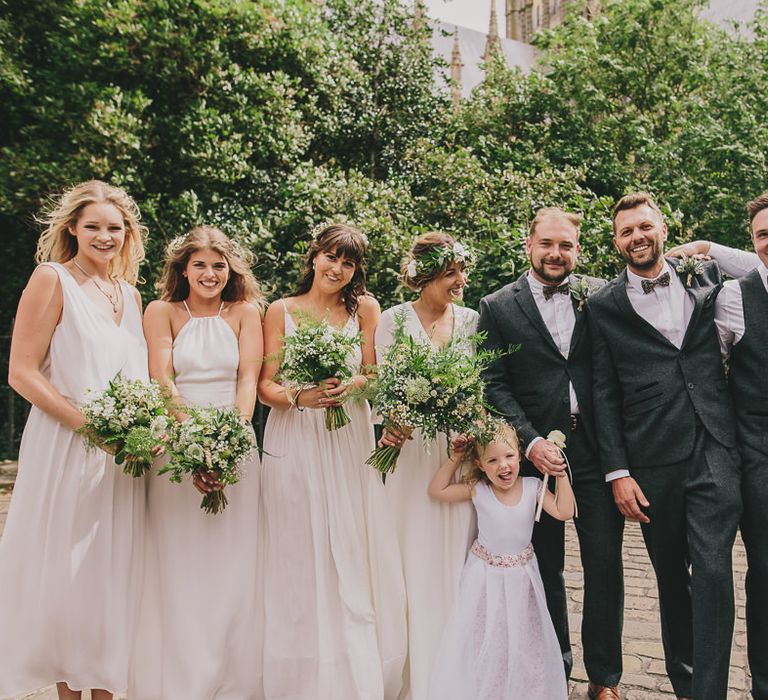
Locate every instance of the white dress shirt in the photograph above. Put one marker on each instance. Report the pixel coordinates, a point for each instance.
(729, 312)
(560, 320)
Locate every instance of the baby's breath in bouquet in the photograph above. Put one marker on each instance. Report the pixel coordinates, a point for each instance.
(317, 351)
(420, 386)
(129, 417)
(211, 440)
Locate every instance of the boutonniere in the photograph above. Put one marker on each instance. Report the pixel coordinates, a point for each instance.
(690, 267)
(581, 291)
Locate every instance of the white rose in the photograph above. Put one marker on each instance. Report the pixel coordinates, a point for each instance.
(412, 269)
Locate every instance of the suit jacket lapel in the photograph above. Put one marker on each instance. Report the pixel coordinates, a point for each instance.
(697, 293)
(578, 326)
(524, 298)
(619, 292)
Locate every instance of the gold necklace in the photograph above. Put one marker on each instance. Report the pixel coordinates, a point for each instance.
(114, 300)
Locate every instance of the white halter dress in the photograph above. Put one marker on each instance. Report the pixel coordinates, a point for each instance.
(200, 631)
(71, 551)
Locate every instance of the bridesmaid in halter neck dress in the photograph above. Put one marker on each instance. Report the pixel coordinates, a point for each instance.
(334, 598)
(70, 554)
(200, 629)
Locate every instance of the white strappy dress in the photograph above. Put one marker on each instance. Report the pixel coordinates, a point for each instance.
(434, 537)
(71, 551)
(199, 634)
(335, 605)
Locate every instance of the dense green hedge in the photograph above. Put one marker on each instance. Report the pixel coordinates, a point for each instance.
(267, 117)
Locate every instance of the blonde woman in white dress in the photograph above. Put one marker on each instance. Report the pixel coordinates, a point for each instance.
(434, 537)
(200, 630)
(71, 551)
(334, 599)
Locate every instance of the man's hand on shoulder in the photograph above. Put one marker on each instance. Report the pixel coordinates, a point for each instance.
(629, 498)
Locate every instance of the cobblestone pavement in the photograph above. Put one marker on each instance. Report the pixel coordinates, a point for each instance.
(644, 677)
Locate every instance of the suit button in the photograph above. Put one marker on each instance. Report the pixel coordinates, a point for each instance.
(691, 385)
(566, 399)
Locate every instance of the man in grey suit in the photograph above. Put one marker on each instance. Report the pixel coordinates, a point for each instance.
(547, 385)
(667, 439)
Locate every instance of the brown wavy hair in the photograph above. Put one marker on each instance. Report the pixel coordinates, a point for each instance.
(421, 246)
(345, 241)
(57, 243)
(241, 285)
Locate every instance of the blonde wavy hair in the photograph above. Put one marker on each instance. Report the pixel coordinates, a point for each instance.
(241, 285)
(58, 244)
(506, 434)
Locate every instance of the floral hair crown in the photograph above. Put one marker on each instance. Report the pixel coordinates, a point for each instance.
(237, 249)
(438, 258)
(491, 428)
(338, 221)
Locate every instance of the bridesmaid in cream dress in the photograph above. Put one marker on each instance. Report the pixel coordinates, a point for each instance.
(71, 552)
(434, 537)
(334, 599)
(200, 629)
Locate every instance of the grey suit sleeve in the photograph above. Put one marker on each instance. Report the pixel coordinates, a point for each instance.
(607, 403)
(497, 387)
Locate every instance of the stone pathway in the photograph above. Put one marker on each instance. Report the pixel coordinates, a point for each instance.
(644, 677)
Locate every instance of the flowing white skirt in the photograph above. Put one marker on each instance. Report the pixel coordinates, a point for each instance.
(434, 539)
(334, 595)
(200, 630)
(499, 643)
(70, 565)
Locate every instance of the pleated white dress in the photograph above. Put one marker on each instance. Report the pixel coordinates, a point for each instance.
(334, 597)
(71, 551)
(499, 643)
(434, 537)
(200, 628)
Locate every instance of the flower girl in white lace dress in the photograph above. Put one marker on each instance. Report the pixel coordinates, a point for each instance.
(499, 642)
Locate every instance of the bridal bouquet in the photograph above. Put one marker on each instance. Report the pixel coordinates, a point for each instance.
(129, 417)
(211, 440)
(435, 390)
(314, 352)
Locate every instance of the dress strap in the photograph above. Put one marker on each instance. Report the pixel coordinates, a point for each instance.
(221, 308)
(184, 301)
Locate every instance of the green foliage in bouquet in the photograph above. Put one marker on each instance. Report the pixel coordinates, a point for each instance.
(211, 440)
(435, 390)
(317, 351)
(130, 417)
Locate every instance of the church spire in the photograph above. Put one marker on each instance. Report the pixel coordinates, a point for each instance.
(456, 66)
(493, 43)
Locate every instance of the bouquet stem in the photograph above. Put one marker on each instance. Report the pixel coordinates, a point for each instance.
(384, 459)
(214, 502)
(336, 417)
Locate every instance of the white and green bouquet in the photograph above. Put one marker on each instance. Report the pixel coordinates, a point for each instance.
(434, 390)
(130, 419)
(317, 351)
(212, 440)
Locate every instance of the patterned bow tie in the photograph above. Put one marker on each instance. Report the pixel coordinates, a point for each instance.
(661, 281)
(550, 291)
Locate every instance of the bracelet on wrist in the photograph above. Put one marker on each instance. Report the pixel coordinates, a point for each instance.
(296, 400)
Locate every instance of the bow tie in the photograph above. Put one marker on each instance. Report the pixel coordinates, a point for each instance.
(661, 281)
(550, 291)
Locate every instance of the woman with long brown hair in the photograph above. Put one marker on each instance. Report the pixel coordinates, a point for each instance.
(200, 626)
(70, 555)
(334, 602)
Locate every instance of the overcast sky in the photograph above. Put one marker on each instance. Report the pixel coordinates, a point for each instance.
(467, 13)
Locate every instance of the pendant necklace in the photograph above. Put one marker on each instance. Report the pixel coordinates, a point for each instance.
(114, 300)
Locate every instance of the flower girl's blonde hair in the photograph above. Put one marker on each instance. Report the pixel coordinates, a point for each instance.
(505, 433)
(58, 244)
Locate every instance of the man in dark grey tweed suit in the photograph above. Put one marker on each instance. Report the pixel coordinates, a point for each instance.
(547, 385)
(667, 440)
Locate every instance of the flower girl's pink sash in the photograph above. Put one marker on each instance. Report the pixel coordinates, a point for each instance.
(506, 561)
